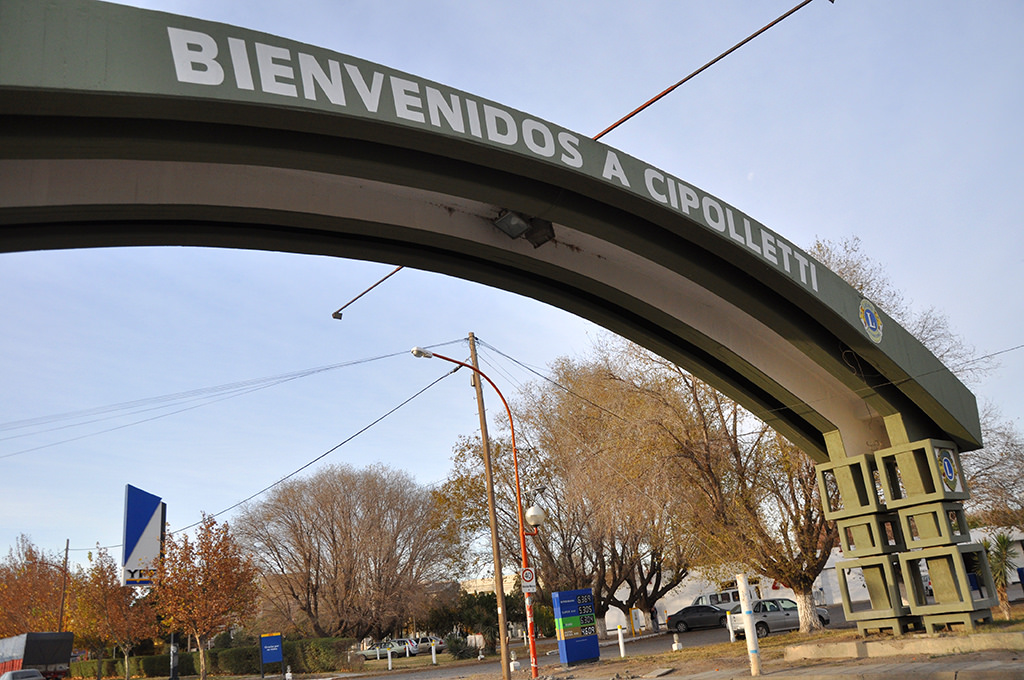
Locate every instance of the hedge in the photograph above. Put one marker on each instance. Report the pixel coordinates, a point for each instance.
(304, 656)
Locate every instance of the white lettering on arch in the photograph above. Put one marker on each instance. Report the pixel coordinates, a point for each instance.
(195, 57)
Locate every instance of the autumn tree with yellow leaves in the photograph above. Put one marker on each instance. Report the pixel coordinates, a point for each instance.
(204, 586)
(107, 612)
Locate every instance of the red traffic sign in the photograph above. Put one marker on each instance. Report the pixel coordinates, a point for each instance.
(528, 580)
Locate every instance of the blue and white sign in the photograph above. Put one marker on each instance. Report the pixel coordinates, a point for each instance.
(271, 649)
(144, 518)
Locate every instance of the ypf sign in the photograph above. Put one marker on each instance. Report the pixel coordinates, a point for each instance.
(144, 518)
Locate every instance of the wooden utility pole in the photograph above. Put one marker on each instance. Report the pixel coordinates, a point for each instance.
(499, 586)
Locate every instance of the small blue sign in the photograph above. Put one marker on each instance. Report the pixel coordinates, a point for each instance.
(271, 649)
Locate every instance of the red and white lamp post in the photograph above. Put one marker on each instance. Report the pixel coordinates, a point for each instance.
(534, 515)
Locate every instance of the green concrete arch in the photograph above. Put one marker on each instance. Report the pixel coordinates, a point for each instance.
(121, 126)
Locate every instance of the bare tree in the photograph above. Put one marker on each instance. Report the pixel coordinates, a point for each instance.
(347, 552)
(931, 326)
(610, 525)
(995, 474)
(753, 496)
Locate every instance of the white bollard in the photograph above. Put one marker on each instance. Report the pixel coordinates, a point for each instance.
(407, 646)
(622, 645)
(732, 629)
(389, 658)
(749, 630)
(433, 653)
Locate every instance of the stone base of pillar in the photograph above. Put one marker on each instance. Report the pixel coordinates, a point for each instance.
(897, 626)
(967, 620)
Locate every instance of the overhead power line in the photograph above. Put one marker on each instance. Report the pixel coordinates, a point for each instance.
(323, 455)
(319, 457)
(205, 395)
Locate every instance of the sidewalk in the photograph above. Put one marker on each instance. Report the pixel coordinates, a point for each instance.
(989, 665)
(994, 665)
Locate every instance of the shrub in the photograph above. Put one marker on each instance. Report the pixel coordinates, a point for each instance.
(239, 660)
(458, 648)
(87, 669)
(544, 617)
(304, 656)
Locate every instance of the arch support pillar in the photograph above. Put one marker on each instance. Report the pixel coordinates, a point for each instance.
(908, 563)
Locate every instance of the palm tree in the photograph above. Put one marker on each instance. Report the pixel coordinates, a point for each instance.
(1000, 559)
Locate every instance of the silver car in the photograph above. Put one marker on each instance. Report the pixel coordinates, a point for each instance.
(397, 648)
(773, 615)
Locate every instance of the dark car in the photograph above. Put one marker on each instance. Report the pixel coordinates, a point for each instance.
(697, 616)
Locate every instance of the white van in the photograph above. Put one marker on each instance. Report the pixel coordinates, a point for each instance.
(724, 599)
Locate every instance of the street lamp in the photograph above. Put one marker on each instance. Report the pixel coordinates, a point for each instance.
(534, 516)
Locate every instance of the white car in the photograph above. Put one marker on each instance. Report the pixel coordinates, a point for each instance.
(773, 615)
(24, 674)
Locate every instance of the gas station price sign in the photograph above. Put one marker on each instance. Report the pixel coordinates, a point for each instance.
(576, 626)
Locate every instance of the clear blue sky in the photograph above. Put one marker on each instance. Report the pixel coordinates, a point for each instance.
(900, 122)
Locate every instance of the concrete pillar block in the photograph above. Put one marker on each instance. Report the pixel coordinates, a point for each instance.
(919, 472)
(874, 534)
(934, 524)
(961, 581)
(882, 579)
(850, 487)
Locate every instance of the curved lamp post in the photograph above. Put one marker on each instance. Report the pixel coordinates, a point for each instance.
(534, 516)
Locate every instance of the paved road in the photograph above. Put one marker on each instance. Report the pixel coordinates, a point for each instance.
(643, 646)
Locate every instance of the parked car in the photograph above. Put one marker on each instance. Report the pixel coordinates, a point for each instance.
(411, 643)
(723, 598)
(397, 648)
(26, 674)
(696, 616)
(773, 615)
(425, 641)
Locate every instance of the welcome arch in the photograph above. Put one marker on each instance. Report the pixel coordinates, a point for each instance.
(121, 126)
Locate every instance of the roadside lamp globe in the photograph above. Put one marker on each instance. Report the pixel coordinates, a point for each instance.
(535, 515)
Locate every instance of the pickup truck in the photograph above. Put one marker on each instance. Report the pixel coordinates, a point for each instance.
(48, 653)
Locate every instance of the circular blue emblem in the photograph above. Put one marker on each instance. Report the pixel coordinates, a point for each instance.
(947, 465)
(872, 322)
